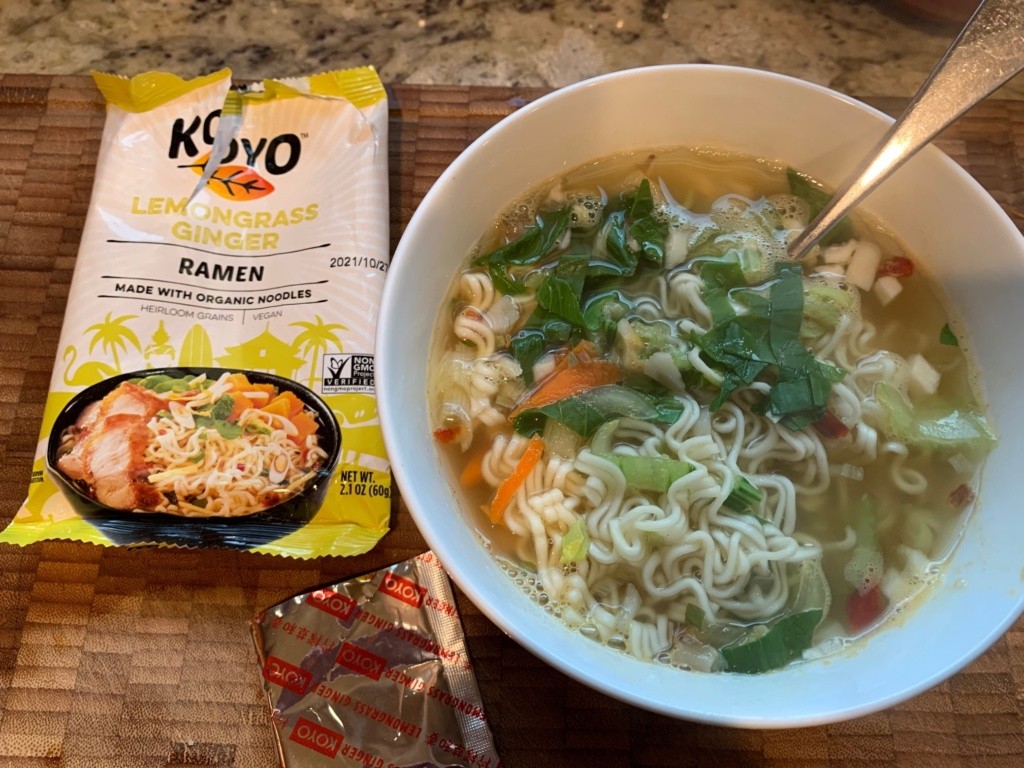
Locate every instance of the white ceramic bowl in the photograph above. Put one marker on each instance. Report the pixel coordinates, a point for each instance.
(947, 219)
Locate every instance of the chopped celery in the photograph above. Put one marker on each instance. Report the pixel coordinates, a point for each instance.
(809, 587)
(575, 543)
(650, 473)
(935, 426)
(773, 646)
(824, 304)
(560, 439)
(694, 616)
(602, 442)
(864, 569)
(743, 497)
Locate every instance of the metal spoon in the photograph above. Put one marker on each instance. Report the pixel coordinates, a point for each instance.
(988, 52)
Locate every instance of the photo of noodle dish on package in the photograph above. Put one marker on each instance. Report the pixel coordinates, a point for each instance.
(215, 448)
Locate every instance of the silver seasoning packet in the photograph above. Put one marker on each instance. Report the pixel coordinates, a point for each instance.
(373, 672)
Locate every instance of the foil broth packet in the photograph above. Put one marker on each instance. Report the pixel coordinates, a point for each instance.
(373, 672)
(214, 378)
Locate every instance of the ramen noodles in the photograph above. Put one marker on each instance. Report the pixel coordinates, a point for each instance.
(195, 447)
(684, 444)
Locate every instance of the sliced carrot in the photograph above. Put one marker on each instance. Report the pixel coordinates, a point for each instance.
(239, 381)
(286, 404)
(306, 425)
(570, 381)
(242, 403)
(507, 490)
(279, 407)
(473, 473)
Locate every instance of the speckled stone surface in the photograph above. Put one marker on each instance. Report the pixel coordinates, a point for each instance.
(860, 47)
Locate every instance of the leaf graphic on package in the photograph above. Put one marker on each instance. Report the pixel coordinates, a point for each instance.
(233, 182)
(196, 349)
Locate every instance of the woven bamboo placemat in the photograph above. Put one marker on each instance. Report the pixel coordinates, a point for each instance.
(142, 657)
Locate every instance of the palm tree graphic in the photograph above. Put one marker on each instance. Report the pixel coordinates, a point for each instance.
(316, 338)
(113, 334)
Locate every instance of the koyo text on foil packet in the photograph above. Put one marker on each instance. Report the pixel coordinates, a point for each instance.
(403, 589)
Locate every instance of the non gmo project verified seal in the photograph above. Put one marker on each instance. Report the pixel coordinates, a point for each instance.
(347, 373)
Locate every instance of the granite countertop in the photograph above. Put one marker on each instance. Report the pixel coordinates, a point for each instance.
(861, 47)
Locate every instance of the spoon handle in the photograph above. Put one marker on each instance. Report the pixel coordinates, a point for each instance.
(987, 52)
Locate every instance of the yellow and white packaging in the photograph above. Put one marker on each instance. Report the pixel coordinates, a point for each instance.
(262, 286)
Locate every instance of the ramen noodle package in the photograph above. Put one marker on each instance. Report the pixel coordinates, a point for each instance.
(214, 380)
(374, 672)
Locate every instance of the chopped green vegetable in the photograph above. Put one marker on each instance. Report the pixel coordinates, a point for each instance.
(632, 233)
(504, 281)
(638, 341)
(694, 616)
(935, 425)
(226, 429)
(645, 229)
(719, 278)
(744, 496)
(650, 473)
(557, 297)
(585, 412)
(817, 199)
(161, 383)
(603, 312)
(808, 586)
(773, 646)
(824, 304)
(149, 382)
(575, 543)
(527, 347)
(560, 439)
(223, 407)
(572, 268)
(198, 457)
(534, 244)
(947, 337)
(580, 417)
(864, 568)
(767, 340)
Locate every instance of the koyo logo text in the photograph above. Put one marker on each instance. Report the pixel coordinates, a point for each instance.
(362, 661)
(286, 675)
(403, 589)
(314, 736)
(331, 602)
(279, 154)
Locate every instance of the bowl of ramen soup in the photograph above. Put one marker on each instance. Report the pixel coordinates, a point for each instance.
(676, 464)
(194, 456)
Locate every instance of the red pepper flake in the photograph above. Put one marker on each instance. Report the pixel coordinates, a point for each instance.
(472, 314)
(445, 435)
(863, 610)
(897, 266)
(961, 496)
(829, 425)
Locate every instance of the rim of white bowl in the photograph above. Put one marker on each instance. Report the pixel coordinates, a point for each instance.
(390, 424)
